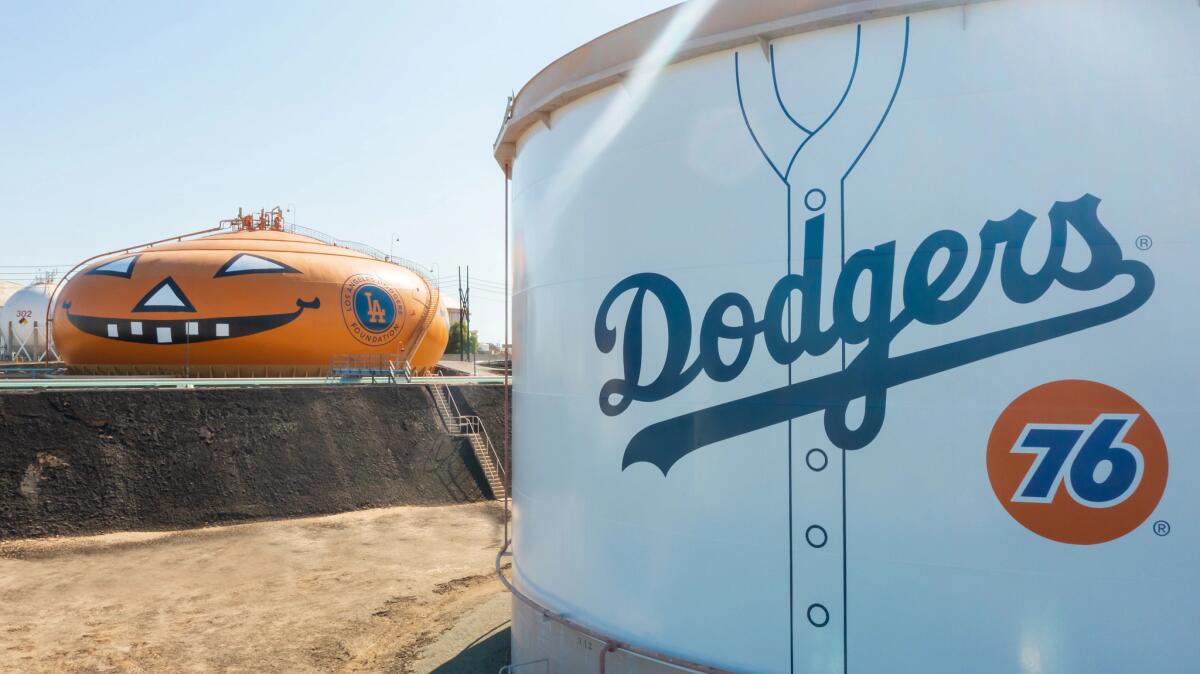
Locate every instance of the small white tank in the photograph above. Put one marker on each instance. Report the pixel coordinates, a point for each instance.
(7, 289)
(23, 322)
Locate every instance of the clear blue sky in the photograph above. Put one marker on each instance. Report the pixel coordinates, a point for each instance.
(122, 122)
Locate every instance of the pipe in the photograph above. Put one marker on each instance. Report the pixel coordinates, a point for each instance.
(507, 372)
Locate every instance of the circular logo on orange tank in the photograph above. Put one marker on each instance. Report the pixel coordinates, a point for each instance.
(373, 309)
(1077, 462)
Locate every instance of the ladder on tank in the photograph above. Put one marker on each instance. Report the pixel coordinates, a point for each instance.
(410, 349)
(471, 427)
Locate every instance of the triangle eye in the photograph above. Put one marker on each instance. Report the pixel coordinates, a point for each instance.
(245, 263)
(121, 267)
(166, 296)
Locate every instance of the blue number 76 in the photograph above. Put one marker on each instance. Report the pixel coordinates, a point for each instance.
(1099, 469)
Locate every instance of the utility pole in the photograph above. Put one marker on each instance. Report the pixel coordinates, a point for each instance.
(470, 347)
(464, 316)
(462, 309)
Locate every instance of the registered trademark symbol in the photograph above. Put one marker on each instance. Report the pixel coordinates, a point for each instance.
(1162, 527)
(1143, 242)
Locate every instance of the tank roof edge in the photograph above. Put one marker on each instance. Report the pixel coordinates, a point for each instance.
(608, 59)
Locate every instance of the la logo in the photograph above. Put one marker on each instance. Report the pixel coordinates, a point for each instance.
(375, 312)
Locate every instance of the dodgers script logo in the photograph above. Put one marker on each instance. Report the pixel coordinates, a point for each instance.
(819, 199)
(1077, 462)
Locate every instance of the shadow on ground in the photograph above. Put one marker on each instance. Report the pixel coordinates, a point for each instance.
(488, 654)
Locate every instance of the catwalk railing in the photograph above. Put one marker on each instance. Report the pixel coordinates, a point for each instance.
(473, 428)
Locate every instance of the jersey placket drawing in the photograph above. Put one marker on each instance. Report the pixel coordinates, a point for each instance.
(813, 162)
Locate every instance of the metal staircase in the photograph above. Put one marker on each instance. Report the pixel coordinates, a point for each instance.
(471, 427)
(431, 312)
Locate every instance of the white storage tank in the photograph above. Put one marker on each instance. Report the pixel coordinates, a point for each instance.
(857, 337)
(23, 322)
(7, 288)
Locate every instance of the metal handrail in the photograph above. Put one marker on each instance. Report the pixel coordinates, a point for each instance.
(363, 248)
(610, 644)
(427, 318)
(405, 371)
(380, 362)
(451, 401)
(475, 424)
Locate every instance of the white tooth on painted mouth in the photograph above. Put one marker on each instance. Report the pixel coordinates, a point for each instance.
(135, 327)
(112, 330)
(193, 328)
(222, 329)
(164, 335)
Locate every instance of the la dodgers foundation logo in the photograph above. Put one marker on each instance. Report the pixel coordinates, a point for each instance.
(372, 309)
(1077, 462)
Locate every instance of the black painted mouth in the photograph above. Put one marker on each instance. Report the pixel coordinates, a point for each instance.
(185, 331)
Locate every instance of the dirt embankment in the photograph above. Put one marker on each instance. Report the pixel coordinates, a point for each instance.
(385, 590)
(92, 461)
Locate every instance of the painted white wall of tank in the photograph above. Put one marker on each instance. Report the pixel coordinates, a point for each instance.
(1031, 103)
(23, 322)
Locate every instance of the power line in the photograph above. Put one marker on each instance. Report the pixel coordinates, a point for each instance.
(454, 279)
(454, 284)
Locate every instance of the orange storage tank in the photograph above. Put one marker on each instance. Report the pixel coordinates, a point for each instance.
(247, 303)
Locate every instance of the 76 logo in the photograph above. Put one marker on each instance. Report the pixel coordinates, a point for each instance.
(1099, 469)
(1088, 439)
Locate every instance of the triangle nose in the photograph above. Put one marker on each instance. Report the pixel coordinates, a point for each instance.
(166, 296)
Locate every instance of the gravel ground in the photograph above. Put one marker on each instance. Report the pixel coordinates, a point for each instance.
(384, 590)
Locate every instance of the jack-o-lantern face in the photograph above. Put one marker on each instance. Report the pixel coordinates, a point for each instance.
(246, 302)
(168, 297)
